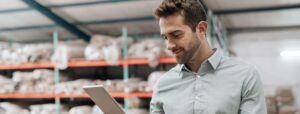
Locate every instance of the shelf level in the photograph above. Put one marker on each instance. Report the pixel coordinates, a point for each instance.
(142, 61)
(131, 61)
(39, 65)
(52, 96)
(27, 96)
(85, 63)
(115, 95)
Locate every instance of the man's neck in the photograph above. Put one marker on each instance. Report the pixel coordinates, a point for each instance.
(195, 63)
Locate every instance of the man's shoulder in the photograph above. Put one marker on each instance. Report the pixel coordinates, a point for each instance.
(169, 77)
(235, 64)
(238, 67)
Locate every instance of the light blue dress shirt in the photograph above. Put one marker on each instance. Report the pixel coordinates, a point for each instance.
(221, 86)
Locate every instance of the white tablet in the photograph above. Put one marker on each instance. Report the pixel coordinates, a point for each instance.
(103, 100)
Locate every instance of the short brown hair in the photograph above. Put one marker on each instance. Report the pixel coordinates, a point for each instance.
(191, 10)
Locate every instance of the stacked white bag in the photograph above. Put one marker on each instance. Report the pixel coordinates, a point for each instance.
(36, 52)
(131, 85)
(18, 54)
(75, 86)
(7, 85)
(152, 49)
(81, 110)
(105, 48)
(28, 53)
(9, 55)
(47, 109)
(94, 51)
(66, 51)
(85, 109)
(40, 80)
(9, 108)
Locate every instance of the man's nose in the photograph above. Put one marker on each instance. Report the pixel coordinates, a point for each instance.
(170, 45)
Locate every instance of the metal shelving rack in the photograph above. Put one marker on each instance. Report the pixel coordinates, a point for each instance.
(125, 62)
(216, 36)
(217, 33)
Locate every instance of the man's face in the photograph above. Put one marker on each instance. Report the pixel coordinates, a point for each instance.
(180, 38)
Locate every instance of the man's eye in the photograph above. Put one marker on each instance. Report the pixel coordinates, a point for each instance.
(177, 36)
(164, 37)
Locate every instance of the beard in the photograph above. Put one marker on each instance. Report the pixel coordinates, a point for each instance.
(186, 54)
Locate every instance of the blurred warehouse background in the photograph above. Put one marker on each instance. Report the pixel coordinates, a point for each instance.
(109, 41)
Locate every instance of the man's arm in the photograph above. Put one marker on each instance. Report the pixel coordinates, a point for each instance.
(156, 107)
(253, 98)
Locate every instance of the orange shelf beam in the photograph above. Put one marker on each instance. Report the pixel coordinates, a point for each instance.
(130, 61)
(72, 95)
(27, 96)
(143, 61)
(85, 63)
(39, 65)
(114, 94)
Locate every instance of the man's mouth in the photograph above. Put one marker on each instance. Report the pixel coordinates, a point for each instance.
(176, 52)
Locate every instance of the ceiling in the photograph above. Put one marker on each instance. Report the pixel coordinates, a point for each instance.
(21, 23)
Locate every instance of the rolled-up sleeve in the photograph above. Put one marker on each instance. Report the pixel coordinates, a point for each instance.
(253, 98)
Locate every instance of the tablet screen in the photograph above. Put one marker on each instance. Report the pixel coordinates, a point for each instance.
(103, 100)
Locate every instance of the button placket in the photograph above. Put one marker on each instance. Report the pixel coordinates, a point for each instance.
(201, 93)
(195, 95)
(198, 96)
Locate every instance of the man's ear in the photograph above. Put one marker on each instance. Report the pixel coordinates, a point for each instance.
(201, 28)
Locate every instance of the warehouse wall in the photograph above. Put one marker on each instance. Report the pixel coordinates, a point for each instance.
(262, 48)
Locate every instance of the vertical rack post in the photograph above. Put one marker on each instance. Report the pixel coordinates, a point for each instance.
(226, 40)
(56, 75)
(210, 33)
(125, 66)
(217, 33)
(10, 42)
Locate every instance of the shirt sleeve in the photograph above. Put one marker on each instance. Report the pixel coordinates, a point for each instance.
(253, 98)
(156, 107)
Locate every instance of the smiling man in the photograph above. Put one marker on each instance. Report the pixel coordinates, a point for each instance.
(204, 81)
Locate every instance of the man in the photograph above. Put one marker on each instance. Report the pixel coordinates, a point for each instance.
(204, 81)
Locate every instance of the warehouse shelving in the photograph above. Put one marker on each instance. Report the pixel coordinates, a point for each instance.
(85, 63)
(137, 65)
(50, 95)
(125, 62)
(215, 38)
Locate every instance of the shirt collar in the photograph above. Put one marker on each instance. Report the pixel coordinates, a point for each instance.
(211, 63)
(215, 59)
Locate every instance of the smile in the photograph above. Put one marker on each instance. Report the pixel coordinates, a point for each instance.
(177, 51)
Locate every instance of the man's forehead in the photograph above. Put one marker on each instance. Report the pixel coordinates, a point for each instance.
(171, 23)
(170, 28)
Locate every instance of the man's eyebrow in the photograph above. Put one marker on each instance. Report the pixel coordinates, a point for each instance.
(175, 31)
(172, 32)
